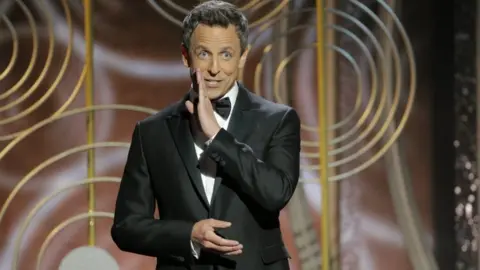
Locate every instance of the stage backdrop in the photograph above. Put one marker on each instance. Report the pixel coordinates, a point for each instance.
(376, 86)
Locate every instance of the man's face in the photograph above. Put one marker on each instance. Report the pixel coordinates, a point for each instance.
(217, 53)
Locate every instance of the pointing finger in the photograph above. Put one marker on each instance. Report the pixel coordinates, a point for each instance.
(201, 84)
(219, 223)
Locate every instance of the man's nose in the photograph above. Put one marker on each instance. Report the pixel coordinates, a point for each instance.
(214, 68)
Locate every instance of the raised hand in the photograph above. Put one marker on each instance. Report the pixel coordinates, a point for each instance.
(208, 123)
(203, 233)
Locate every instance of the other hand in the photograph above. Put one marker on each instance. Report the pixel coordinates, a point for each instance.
(208, 123)
(204, 234)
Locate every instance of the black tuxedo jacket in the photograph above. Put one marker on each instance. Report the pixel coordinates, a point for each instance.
(258, 171)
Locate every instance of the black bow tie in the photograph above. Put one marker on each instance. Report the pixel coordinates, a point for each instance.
(222, 107)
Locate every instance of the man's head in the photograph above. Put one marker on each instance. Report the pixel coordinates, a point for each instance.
(215, 40)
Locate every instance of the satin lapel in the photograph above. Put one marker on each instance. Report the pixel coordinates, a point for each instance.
(180, 130)
(240, 126)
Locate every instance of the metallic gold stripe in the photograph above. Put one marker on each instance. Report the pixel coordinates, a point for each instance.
(38, 206)
(248, 7)
(49, 33)
(61, 226)
(331, 118)
(32, 129)
(90, 116)
(52, 160)
(15, 42)
(322, 136)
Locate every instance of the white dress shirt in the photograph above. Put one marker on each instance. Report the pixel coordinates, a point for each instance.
(209, 167)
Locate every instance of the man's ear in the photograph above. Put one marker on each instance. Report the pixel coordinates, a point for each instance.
(185, 55)
(243, 58)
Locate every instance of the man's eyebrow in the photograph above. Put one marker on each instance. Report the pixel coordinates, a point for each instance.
(201, 47)
(227, 48)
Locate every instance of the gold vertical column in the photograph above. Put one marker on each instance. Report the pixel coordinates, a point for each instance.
(330, 71)
(90, 115)
(280, 52)
(323, 136)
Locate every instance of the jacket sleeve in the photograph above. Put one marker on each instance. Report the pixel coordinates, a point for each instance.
(134, 227)
(272, 181)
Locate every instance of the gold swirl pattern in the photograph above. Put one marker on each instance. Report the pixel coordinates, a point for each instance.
(45, 200)
(62, 226)
(22, 82)
(14, 55)
(250, 6)
(55, 159)
(361, 138)
(364, 135)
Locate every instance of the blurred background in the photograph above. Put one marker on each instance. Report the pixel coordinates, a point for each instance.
(399, 115)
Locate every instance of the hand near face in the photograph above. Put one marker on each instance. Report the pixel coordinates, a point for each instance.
(203, 233)
(208, 123)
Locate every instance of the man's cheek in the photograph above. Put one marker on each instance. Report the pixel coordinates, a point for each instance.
(229, 68)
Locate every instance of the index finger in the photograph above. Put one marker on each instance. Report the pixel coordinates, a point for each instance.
(201, 84)
(215, 223)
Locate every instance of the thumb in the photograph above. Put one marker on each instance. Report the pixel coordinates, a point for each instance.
(190, 106)
(220, 224)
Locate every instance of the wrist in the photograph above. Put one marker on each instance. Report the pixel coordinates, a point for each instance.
(211, 134)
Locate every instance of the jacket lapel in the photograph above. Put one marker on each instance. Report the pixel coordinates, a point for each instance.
(178, 124)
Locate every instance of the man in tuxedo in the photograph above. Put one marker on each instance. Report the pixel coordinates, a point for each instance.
(220, 164)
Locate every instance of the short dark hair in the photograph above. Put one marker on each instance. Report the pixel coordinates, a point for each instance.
(216, 13)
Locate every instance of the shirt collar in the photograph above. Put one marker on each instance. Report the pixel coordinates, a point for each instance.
(232, 94)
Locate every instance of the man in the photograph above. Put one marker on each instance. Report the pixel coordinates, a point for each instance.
(220, 164)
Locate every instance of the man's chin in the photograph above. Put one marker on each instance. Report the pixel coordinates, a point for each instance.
(215, 93)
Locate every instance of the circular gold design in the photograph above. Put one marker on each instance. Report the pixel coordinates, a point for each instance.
(369, 124)
(334, 151)
(45, 200)
(13, 57)
(66, 153)
(72, 112)
(393, 104)
(62, 226)
(49, 162)
(33, 58)
(251, 5)
(32, 63)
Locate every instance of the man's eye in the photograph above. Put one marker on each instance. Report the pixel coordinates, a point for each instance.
(227, 55)
(203, 54)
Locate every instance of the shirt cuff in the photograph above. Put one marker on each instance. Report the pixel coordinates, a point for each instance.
(207, 143)
(195, 250)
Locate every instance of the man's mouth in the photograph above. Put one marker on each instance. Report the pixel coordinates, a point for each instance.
(212, 83)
